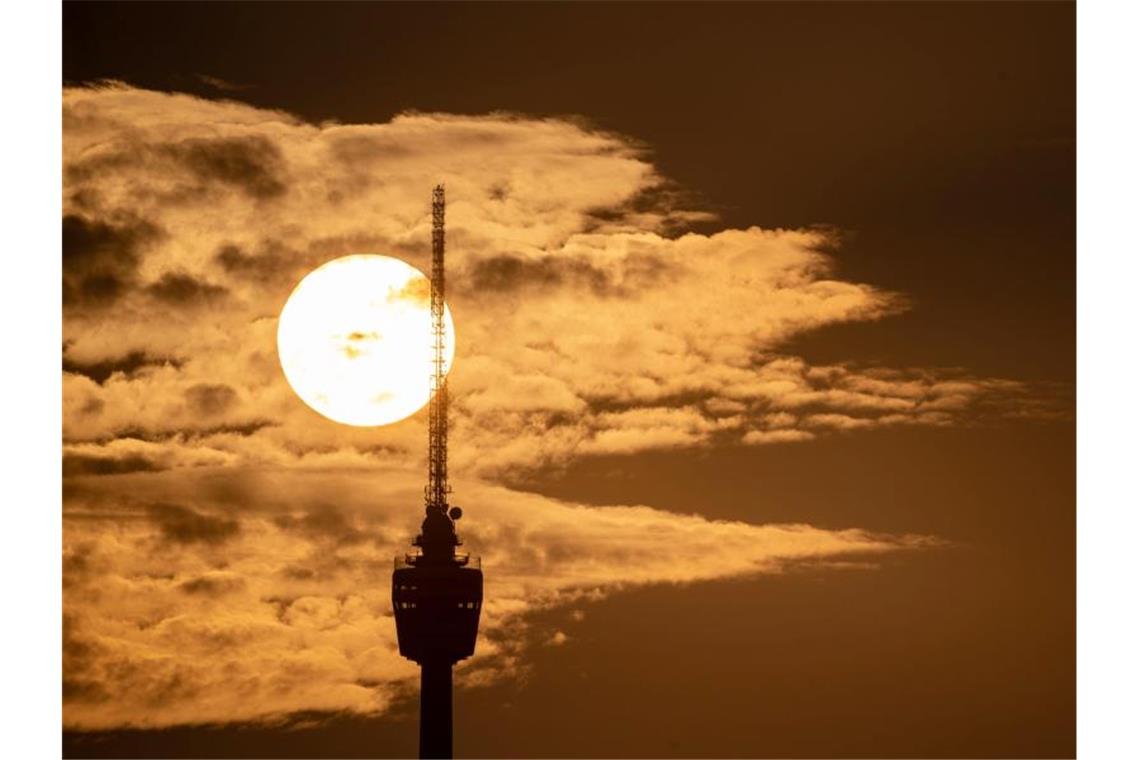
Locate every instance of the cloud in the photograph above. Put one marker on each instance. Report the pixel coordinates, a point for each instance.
(128, 364)
(100, 464)
(182, 289)
(254, 598)
(252, 164)
(100, 258)
(183, 525)
(578, 295)
(123, 454)
(754, 437)
(227, 550)
(211, 400)
(212, 584)
(223, 85)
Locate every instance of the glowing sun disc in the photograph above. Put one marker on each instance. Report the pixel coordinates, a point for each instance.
(355, 340)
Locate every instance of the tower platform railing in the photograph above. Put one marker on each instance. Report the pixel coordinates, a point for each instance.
(413, 559)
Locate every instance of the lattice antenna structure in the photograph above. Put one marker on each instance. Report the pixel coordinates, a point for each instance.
(437, 490)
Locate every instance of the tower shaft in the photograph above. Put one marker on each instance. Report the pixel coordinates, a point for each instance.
(435, 709)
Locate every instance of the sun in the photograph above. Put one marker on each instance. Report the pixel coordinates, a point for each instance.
(355, 340)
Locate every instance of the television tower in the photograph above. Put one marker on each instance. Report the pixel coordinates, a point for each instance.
(436, 591)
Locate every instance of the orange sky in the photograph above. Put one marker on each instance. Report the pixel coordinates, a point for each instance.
(227, 550)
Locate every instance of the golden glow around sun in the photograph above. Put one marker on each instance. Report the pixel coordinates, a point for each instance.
(355, 340)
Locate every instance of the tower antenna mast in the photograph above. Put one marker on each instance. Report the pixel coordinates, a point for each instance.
(437, 489)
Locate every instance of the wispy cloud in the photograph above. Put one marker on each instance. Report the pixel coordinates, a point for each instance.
(591, 321)
(255, 597)
(223, 85)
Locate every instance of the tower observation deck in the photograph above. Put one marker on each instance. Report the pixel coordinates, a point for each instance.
(437, 592)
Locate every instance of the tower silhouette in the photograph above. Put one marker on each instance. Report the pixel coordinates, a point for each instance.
(437, 592)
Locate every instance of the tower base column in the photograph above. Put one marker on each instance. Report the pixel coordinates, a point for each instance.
(435, 709)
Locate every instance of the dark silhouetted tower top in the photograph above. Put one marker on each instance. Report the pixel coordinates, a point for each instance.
(437, 592)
